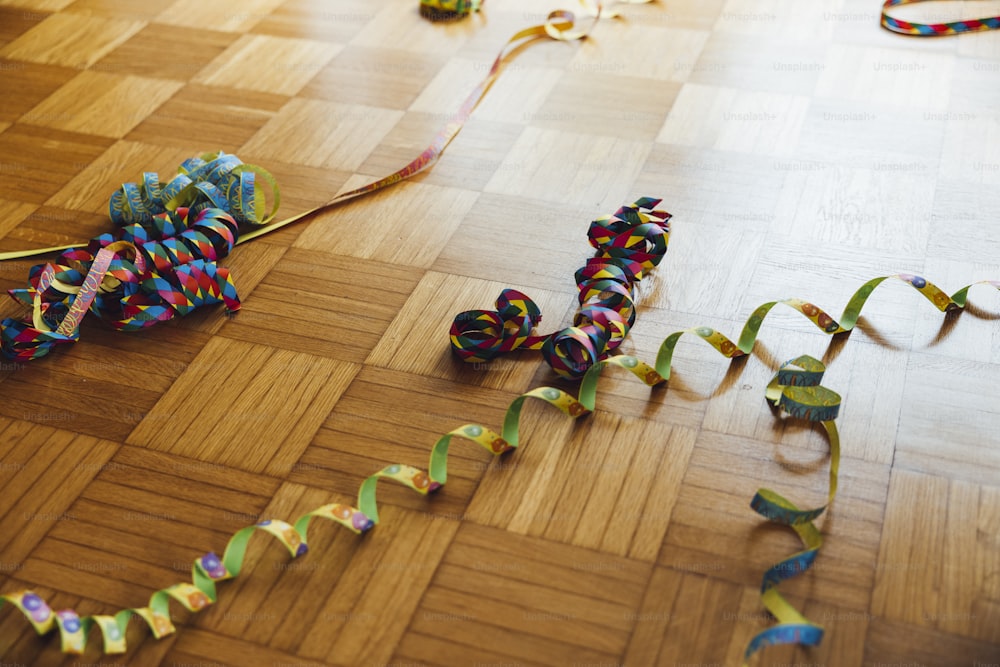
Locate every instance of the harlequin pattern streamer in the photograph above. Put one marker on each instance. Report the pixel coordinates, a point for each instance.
(142, 274)
(630, 242)
(796, 388)
(934, 29)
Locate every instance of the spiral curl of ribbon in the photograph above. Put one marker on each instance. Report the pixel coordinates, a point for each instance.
(143, 274)
(796, 388)
(629, 243)
(211, 180)
(933, 29)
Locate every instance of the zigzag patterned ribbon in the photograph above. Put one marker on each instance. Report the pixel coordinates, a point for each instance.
(630, 242)
(934, 29)
(210, 569)
(139, 276)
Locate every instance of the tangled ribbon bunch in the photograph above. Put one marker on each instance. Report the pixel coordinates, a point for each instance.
(629, 243)
(132, 279)
(211, 180)
(161, 262)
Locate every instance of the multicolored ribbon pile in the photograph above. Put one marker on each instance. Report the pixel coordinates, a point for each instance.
(139, 276)
(448, 10)
(934, 29)
(160, 263)
(560, 25)
(630, 242)
(796, 388)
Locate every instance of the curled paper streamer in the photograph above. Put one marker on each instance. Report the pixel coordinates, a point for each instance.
(630, 242)
(211, 180)
(796, 388)
(139, 276)
(448, 10)
(933, 29)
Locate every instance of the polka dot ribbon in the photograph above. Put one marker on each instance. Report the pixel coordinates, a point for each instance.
(211, 180)
(934, 29)
(629, 243)
(143, 274)
(796, 389)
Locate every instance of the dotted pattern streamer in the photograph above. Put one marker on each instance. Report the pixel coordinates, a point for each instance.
(934, 29)
(211, 180)
(629, 243)
(141, 275)
(803, 401)
(796, 389)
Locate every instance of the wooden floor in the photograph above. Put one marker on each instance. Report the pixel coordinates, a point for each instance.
(802, 151)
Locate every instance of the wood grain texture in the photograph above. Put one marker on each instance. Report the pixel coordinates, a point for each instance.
(802, 151)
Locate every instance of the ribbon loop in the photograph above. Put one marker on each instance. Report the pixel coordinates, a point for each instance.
(211, 180)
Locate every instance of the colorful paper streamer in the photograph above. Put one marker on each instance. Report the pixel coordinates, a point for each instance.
(629, 243)
(211, 180)
(796, 389)
(217, 181)
(791, 388)
(160, 263)
(933, 29)
(143, 274)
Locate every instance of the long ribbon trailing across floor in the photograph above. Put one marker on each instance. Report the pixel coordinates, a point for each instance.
(629, 242)
(210, 568)
(560, 25)
(934, 29)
